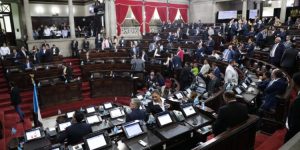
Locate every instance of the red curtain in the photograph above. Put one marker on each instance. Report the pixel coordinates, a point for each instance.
(162, 12)
(138, 14)
(184, 15)
(172, 14)
(121, 12)
(149, 14)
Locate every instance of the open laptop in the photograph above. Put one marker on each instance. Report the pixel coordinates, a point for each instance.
(107, 106)
(70, 114)
(117, 116)
(33, 134)
(96, 141)
(167, 127)
(90, 110)
(93, 119)
(62, 126)
(132, 129)
(179, 95)
(192, 117)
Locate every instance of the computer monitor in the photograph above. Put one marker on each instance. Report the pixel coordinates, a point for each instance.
(238, 90)
(93, 119)
(132, 129)
(116, 112)
(90, 110)
(96, 141)
(249, 80)
(63, 126)
(70, 114)
(188, 111)
(32, 134)
(245, 86)
(164, 119)
(107, 105)
(189, 90)
(178, 95)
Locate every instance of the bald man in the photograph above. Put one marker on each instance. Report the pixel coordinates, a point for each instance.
(276, 52)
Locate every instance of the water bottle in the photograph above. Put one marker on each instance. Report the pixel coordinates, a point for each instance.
(203, 104)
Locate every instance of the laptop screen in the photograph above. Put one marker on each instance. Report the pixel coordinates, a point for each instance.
(92, 119)
(188, 111)
(96, 142)
(70, 114)
(90, 110)
(164, 119)
(179, 95)
(107, 105)
(244, 85)
(132, 130)
(115, 113)
(33, 134)
(63, 126)
(238, 90)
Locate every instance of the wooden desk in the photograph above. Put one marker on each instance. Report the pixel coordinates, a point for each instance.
(60, 92)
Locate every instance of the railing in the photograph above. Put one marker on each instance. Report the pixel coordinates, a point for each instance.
(134, 32)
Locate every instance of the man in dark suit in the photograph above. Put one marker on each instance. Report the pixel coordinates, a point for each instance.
(260, 38)
(176, 62)
(265, 80)
(67, 73)
(276, 87)
(213, 83)
(136, 113)
(293, 121)
(23, 53)
(276, 52)
(74, 47)
(98, 41)
(55, 50)
(16, 100)
(289, 58)
(27, 65)
(230, 115)
(134, 51)
(122, 42)
(75, 133)
(210, 45)
(250, 48)
(86, 45)
(157, 104)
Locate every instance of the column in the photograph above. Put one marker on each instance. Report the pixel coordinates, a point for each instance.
(245, 8)
(259, 11)
(144, 18)
(71, 19)
(113, 19)
(283, 10)
(28, 20)
(107, 19)
(214, 8)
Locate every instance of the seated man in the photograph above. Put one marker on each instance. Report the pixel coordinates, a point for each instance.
(230, 115)
(265, 80)
(76, 131)
(157, 104)
(276, 87)
(136, 113)
(27, 65)
(4, 50)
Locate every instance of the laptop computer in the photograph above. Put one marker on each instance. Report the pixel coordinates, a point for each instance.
(117, 116)
(132, 129)
(107, 105)
(193, 118)
(238, 90)
(62, 127)
(33, 134)
(93, 119)
(90, 110)
(96, 141)
(70, 114)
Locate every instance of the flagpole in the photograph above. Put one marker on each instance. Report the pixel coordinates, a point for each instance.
(37, 118)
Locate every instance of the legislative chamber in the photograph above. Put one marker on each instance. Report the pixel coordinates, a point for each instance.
(149, 74)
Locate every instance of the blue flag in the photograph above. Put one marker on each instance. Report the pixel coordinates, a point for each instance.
(36, 107)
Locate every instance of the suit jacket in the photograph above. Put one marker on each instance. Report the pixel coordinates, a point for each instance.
(55, 50)
(213, 86)
(25, 65)
(293, 119)
(263, 85)
(289, 58)
(230, 115)
(137, 51)
(154, 109)
(278, 54)
(86, 45)
(275, 88)
(137, 65)
(75, 133)
(250, 50)
(177, 64)
(136, 114)
(22, 55)
(74, 45)
(15, 97)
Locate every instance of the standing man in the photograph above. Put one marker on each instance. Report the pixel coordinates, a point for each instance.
(231, 75)
(136, 113)
(16, 100)
(276, 52)
(289, 59)
(74, 47)
(293, 121)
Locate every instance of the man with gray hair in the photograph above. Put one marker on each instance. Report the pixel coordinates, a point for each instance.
(276, 52)
(136, 113)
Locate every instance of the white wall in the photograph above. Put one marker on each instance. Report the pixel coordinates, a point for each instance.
(62, 10)
(203, 10)
(16, 20)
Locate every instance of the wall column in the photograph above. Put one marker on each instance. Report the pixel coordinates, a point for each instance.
(107, 19)
(214, 8)
(113, 19)
(28, 20)
(245, 8)
(71, 19)
(283, 10)
(144, 18)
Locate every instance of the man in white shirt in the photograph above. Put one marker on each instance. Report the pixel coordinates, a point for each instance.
(47, 32)
(276, 52)
(231, 75)
(4, 50)
(205, 68)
